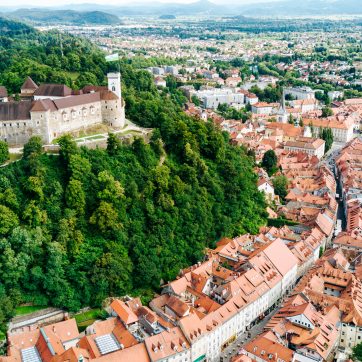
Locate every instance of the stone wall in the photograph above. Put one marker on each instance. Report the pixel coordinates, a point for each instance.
(113, 113)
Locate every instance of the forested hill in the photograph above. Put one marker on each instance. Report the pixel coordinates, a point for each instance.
(46, 57)
(88, 224)
(48, 16)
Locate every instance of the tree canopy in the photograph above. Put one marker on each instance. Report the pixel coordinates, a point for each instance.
(88, 224)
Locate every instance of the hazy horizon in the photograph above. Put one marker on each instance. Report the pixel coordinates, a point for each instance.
(34, 3)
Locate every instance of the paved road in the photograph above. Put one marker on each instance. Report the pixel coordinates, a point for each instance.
(234, 347)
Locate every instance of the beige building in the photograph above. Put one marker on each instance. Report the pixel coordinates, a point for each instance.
(311, 146)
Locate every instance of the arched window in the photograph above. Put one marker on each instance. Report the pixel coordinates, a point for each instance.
(113, 88)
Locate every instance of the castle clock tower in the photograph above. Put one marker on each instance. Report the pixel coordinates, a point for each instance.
(114, 83)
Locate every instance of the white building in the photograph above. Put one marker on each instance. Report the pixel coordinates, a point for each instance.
(212, 98)
(300, 92)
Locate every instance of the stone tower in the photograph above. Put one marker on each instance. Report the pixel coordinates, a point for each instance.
(114, 84)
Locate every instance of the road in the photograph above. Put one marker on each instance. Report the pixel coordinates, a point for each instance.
(244, 338)
(329, 160)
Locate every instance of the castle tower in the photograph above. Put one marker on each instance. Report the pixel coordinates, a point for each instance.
(114, 83)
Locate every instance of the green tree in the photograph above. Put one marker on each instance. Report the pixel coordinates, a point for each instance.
(33, 147)
(327, 112)
(113, 144)
(68, 147)
(105, 217)
(8, 220)
(75, 196)
(4, 151)
(195, 101)
(270, 162)
(326, 134)
(280, 184)
(357, 352)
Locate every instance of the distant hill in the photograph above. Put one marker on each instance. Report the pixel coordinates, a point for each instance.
(167, 17)
(205, 7)
(64, 17)
(14, 28)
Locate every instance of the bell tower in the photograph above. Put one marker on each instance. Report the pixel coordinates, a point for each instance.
(114, 83)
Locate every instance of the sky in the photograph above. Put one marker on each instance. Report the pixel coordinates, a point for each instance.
(33, 3)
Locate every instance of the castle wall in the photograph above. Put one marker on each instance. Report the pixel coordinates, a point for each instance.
(18, 132)
(50, 125)
(68, 120)
(113, 113)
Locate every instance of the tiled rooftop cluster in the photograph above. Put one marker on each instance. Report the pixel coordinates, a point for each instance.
(203, 309)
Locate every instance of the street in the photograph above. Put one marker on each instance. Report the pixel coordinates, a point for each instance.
(244, 338)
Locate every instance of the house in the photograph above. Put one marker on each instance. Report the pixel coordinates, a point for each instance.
(28, 88)
(160, 82)
(266, 186)
(264, 108)
(342, 129)
(311, 146)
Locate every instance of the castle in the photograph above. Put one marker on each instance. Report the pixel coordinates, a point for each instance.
(51, 110)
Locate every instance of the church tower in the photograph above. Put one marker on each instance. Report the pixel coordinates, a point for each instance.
(114, 83)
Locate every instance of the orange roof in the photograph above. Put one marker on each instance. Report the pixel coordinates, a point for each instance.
(123, 312)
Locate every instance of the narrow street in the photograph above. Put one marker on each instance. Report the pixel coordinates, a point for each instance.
(244, 338)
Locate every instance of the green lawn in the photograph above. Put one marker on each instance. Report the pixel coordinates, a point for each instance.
(87, 318)
(15, 156)
(96, 137)
(22, 310)
(90, 314)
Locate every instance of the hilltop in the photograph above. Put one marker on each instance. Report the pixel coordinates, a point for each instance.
(288, 8)
(72, 17)
(88, 224)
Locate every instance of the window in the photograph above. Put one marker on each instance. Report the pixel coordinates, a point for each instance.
(113, 88)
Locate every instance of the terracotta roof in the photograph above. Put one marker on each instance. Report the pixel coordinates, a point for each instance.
(29, 84)
(43, 105)
(123, 312)
(53, 90)
(93, 88)
(268, 350)
(15, 111)
(107, 95)
(76, 100)
(178, 306)
(282, 258)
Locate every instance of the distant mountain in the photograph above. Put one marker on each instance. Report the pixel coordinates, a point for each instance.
(64, 17)
(205, 7)
(303, 8)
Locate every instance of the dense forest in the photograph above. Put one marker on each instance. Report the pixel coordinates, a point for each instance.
(80, 226)
(48, 57)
